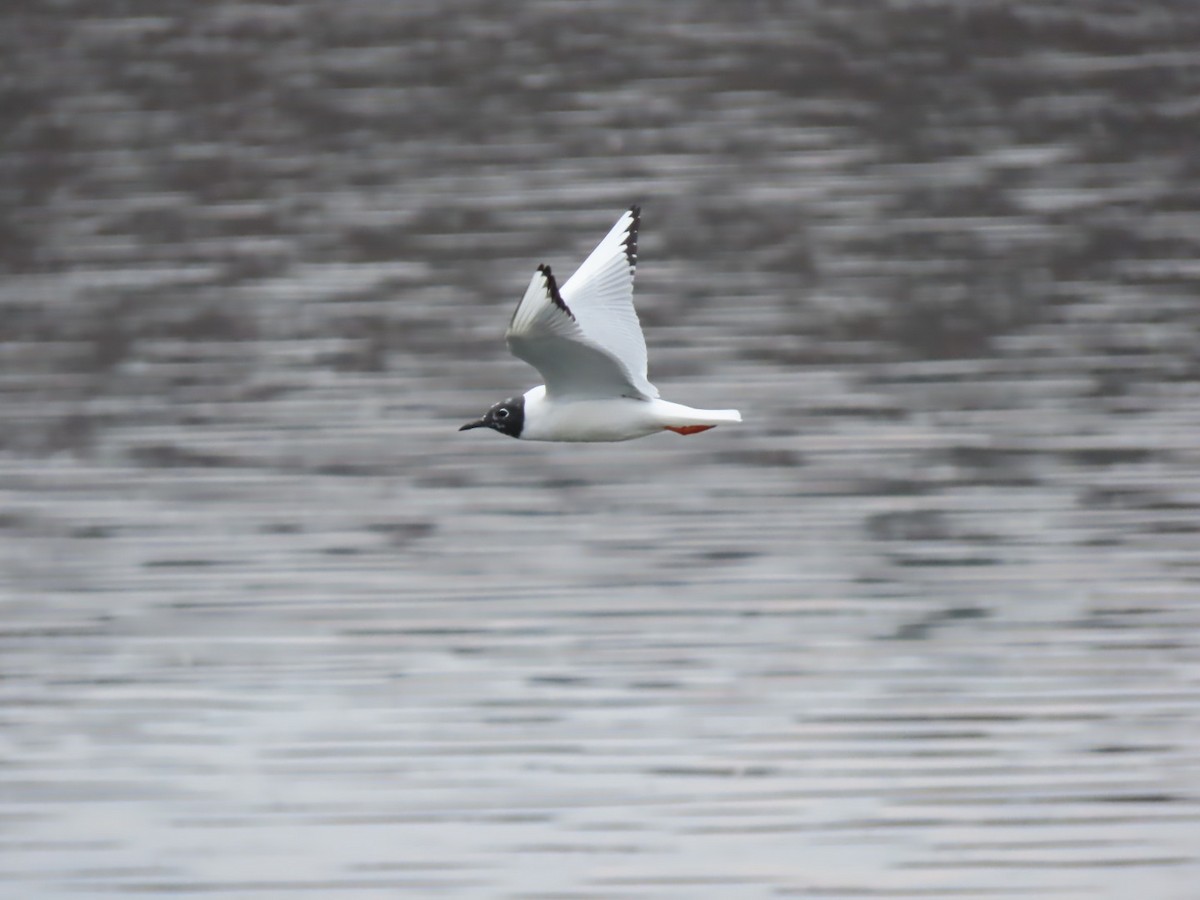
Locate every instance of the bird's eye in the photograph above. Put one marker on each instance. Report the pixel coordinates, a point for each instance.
(502, 413)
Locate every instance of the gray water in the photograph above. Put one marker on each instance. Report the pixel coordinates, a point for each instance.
(926, 625)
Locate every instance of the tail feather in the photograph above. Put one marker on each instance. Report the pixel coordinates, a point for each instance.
(720, 416)
(676, 415)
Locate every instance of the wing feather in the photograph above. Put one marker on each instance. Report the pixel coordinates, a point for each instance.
(586, 340)
(600, 295)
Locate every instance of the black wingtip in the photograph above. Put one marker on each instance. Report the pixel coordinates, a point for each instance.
(631, 236)
(552, 289)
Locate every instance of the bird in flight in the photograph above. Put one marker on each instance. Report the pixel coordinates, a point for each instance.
(587, 343)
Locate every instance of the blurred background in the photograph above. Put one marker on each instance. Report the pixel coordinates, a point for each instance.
(926, 625)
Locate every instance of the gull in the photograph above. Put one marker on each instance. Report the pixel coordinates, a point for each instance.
(587, 343)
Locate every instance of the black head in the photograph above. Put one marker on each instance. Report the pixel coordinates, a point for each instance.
(506, 417)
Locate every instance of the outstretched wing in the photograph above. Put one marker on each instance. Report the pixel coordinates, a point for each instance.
(586, 340)
(545, 333)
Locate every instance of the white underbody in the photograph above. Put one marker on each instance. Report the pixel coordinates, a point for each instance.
(610, 419)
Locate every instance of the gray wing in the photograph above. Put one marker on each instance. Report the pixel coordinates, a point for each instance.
(586, 340)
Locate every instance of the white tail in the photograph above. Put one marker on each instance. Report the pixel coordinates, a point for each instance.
(719, 416)
(676, 415)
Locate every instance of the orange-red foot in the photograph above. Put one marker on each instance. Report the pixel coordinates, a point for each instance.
(690, 429)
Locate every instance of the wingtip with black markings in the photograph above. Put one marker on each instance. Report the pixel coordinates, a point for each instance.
(552, 290)
(631, 236)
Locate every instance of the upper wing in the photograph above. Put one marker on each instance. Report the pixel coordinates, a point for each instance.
(586, 340)
(545, 333)
(600, 294)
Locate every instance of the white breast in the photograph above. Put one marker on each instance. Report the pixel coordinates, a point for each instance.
(615, 419)
(611, 419)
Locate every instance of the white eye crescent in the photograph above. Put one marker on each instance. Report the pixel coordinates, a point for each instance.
(502, 413)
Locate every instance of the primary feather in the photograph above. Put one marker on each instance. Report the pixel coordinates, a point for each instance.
(586, 340)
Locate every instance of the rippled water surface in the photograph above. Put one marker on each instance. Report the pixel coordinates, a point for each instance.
(926, 625)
